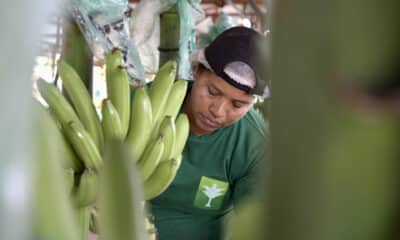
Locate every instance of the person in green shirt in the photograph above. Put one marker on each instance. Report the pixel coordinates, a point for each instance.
(226, 146)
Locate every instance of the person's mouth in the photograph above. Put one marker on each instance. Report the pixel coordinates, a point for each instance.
(209, 122)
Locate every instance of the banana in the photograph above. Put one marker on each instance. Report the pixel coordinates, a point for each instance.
(53, 116)
(71, 160)
(151, 158)
(59, 106)
(118, 88)
(161, 87)
(61, 146)
(175, 99)
(168, 131)
(173, 103)
(51, 205)
(121, 212)
(141, 121)
(82, 102)
(83, 145)
(110, 122)
(161, 178)
(86, 192)
(182, 133)
(65, 114)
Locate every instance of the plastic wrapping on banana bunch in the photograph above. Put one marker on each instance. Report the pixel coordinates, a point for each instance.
(189, 12)
(223, 22)
(105, 26)
(145, 31)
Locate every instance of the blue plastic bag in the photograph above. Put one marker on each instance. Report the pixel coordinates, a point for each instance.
(105, 26)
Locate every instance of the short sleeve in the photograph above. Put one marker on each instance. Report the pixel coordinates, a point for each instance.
(252, 182)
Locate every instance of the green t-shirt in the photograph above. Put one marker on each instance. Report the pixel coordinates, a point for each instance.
(217, 170)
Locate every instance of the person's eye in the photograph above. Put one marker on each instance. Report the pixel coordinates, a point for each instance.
(212, 91)
(237, 105)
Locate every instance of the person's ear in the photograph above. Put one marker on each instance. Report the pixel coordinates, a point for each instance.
(196, 70)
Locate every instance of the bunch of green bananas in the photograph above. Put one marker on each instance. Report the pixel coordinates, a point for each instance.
(149, 123)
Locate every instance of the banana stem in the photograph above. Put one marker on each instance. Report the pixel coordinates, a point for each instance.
(169, 35)
(76, 52)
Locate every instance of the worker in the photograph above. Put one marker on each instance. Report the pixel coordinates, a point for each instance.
(223, 156)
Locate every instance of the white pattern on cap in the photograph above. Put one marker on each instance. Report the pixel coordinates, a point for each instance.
(238, 71)
(241, 73)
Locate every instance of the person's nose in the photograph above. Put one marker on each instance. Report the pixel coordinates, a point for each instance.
(217, 108)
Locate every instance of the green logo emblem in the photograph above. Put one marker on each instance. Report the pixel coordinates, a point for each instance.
(210, 193)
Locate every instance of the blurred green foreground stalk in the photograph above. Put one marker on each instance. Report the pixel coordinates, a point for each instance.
(334, 173)
(20, 22)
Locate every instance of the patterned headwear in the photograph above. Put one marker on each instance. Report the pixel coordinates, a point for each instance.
(233, 57)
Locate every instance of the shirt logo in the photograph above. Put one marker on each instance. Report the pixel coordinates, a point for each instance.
(210, 193)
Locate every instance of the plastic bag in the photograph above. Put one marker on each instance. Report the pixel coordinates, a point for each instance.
(145, 30)
(105, 26)
(189, 12)
(109, 10)
(223, 22)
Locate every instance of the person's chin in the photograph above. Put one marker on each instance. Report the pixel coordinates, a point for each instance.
(206, 124)
(208, 130)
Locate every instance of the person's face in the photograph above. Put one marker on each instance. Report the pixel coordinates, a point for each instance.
(213, 103)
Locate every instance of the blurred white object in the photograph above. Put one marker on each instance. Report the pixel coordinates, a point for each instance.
(145, 30)
(21, 23)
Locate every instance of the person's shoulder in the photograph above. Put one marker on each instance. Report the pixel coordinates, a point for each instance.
(256, 123)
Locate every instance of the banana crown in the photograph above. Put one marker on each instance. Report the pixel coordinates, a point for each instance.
(114, 59)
